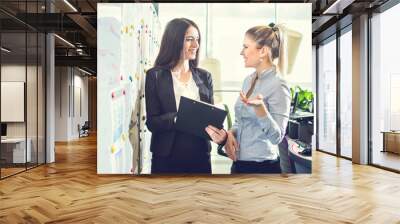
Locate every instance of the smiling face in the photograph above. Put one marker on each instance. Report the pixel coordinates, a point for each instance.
(251, 52)
(190, 43)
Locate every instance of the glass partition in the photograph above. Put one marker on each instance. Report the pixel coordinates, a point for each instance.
(22, 79)
(13, 93)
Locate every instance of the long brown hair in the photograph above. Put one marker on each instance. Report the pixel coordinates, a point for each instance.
(172, 43)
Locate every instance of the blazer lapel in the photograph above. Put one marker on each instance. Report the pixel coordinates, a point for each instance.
(167, 91)
(203, 91)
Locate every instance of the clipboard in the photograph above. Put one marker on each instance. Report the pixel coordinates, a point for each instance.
(194, 116)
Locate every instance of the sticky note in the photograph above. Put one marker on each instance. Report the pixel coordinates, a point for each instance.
(113, 149)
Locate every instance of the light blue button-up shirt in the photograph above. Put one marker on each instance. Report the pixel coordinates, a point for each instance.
(258, 137)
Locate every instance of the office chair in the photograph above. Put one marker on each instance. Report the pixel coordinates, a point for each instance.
(84, 130)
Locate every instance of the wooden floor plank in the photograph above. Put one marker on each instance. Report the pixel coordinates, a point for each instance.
(70, 191)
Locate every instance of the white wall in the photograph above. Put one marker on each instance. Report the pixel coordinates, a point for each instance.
(13, 72)
(80, 100)
(70, 83)
(61, 103)
(16, 73)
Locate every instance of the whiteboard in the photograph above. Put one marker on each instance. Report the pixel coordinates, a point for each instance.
(12, 101)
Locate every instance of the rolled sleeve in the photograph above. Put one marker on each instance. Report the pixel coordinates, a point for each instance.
(235, 127)
(275, 122)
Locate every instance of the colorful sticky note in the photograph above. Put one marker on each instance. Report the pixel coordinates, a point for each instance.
(113, 149)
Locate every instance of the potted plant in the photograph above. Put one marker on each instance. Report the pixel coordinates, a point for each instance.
(305, 98)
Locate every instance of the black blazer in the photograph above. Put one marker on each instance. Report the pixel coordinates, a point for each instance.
(161, 105)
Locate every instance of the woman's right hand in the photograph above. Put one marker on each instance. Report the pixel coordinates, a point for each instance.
(231, 146)
(217, 135)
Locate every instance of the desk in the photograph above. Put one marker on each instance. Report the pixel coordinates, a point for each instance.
(301, 163)
(15, 148)
(301, 126)
(300, 115)
(391, 141)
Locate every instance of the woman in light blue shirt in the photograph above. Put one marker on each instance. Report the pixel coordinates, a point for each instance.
(262, 109)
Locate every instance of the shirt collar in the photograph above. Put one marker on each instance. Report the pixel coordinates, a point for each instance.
(267, 73)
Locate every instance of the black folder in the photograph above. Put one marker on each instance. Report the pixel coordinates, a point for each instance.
(194, 116)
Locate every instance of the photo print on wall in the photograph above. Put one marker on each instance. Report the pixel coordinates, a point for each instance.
(204, 88)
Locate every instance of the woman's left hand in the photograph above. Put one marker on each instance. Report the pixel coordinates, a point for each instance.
(257, 103)
(217, 135)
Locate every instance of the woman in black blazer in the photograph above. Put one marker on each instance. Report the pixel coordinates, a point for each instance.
(176, 74)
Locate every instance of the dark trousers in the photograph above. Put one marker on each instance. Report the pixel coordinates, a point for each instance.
(189, 155)
(267, 166)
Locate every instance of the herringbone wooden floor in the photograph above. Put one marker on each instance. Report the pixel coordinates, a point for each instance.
(70, 191)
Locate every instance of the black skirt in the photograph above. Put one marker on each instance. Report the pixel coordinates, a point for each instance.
(189, 154)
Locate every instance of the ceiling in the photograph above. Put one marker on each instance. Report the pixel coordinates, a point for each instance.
(78, 27)
(77, 23)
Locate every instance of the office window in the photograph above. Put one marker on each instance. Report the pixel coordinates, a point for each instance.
(327, 96)
(290, 16)
(236, 21)
(385, 89)
(346, 94)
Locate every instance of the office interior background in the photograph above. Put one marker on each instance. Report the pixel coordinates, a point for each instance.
(48, 92)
